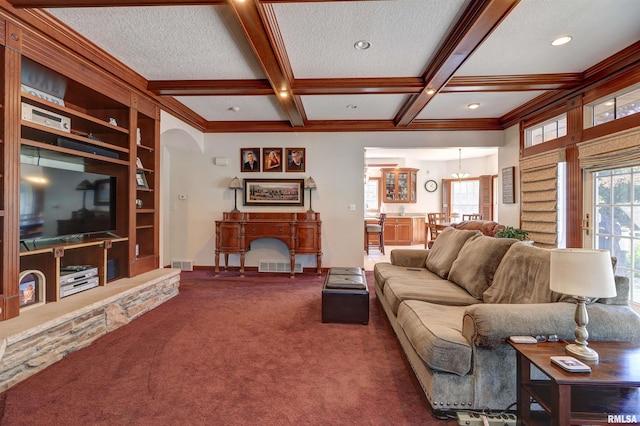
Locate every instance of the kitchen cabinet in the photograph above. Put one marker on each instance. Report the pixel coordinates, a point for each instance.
(400, 185)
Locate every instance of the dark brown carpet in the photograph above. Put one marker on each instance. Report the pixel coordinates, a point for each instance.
(230, 351)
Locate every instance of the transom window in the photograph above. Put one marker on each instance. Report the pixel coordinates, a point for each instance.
(615, 107)
(544, 132)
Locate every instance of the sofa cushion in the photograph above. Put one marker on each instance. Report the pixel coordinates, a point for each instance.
(522, 277)
(435, 332)
(477, 262)
(445, 250)
(382, 271)
(437, 291)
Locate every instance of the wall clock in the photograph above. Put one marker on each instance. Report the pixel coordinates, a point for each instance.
(430, 185)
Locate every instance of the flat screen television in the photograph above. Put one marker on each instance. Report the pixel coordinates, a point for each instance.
(59, 200)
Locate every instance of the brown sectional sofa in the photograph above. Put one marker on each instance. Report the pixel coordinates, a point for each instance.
(454, 306)
(487, 227)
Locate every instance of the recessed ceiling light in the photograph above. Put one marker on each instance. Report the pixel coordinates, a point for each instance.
(430, 92)
(561, 40)
(362, 45)
(283, 94)
(474, 105)
(352, 106)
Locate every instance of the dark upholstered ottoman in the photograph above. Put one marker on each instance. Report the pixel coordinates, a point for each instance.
(345, 296)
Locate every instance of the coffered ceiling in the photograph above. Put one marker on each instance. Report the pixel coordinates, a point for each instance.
(284, 65)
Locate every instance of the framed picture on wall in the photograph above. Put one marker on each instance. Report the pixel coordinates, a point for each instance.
(272, 159)
(508, 185)
(295, 160)
(273, 192)
(250, 159)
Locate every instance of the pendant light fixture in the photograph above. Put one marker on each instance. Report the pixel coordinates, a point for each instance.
(460, 174)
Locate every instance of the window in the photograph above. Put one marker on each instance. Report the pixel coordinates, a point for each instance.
(372, 195)
(615, 107)
(465, 197)
(544, 132)
(617, 220)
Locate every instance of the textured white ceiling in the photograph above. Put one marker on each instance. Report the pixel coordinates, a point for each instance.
(340, 107)
(522, 43)
(169, 42)
(206, 42)
(320, 36)
(218, 108)
(492, 104)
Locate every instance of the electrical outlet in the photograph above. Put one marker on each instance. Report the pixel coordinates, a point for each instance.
(475, 419)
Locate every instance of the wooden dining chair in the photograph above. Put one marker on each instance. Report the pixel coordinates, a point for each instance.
(474, 216)
(375, 230)
(434, 221)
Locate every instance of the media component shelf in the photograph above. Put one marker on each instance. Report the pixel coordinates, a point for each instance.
(62, 109)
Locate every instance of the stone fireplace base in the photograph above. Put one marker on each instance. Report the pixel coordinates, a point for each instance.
(45, 334)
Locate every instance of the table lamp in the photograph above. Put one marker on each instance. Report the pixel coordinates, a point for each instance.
(235, 185)
(583, 274)
(310, 184)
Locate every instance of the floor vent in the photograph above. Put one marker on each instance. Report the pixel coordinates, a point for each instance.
(185, 265)
(278, 267)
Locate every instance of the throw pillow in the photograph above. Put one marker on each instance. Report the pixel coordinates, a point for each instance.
(445, 250)
(522, 277)
(477, 262)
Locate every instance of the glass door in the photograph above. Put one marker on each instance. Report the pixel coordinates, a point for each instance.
(389, 186)
(403, 186)
(612, 203)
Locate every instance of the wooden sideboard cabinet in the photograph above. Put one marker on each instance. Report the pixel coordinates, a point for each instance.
(301, 232)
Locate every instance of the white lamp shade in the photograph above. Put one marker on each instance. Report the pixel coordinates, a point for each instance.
(235, 183)
(582, 272)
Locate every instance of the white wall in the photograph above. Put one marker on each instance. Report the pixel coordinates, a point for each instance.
(334, 160)
(508, 156)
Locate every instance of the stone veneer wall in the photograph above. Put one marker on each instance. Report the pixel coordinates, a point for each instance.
(27, 352)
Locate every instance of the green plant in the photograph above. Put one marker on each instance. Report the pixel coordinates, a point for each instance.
(511, 232)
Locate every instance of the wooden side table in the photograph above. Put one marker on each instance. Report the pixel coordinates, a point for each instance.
(611, 389)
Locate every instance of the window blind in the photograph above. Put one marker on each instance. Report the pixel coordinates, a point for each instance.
(611, 152)
(539, 179)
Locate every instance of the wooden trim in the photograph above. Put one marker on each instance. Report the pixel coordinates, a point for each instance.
(210, 87)
(574, 205)
(272, 57)
(512, 83)
(337, 86)
(349, 126)
(476, 23)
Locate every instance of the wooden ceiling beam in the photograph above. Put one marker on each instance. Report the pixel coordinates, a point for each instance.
(351, 86)
(351, 126)
(50, 4)
(250, 19)
(338, 86)
(476, 23)
(512, 83)
(210, 87)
